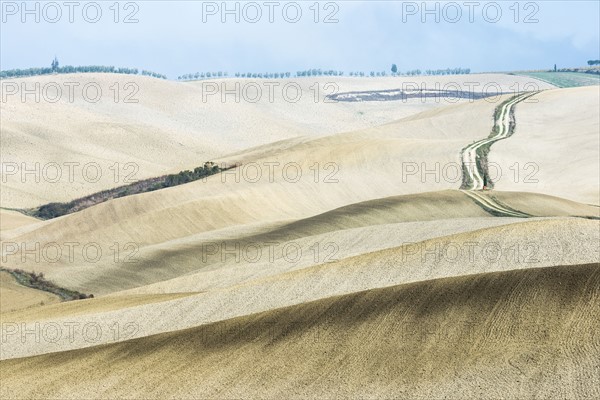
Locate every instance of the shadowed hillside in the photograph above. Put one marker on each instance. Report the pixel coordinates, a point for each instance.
(515, 334)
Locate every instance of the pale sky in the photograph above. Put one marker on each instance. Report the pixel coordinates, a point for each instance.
(178, 37)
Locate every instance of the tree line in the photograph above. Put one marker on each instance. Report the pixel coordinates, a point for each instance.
(54, 210)
(260, 75)
(55, 68)
(202, 75)
(322, 72)
(268, 75)
(446, 71)
(69, 69)
(414, 72)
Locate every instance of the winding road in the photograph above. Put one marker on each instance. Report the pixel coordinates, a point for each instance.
(493, 206)
(502, 129)
(475, 179)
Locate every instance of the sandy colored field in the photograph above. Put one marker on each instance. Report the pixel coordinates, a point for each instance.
(165, 229)
(339, 260)
(350, 230)
(526, 245)
(14, 296)
(515, 334)
(557, 144)
(173, 125)
(351, 167)
(76, 308)
(10, 220)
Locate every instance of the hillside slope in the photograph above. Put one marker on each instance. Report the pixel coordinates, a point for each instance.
(556, 147)
(142, 127)
(515, 334)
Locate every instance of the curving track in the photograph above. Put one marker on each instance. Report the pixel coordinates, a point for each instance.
(502, 130)
(494, 206)
(475, 179)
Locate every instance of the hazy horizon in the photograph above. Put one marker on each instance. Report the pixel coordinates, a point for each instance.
(183, 37)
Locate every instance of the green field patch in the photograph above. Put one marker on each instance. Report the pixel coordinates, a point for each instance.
(565, 79)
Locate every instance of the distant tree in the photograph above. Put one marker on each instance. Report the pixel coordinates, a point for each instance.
(54, 64)
(593, 62)
(394, 68)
